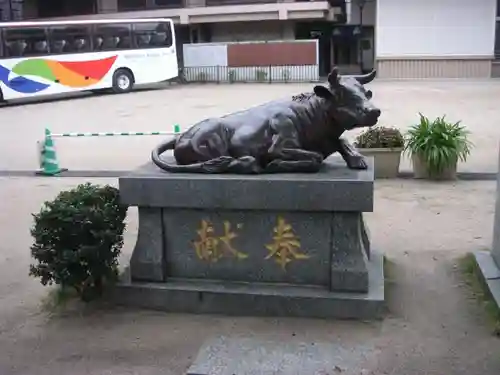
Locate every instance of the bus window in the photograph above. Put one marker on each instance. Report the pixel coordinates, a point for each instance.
(112, 37)
(152, 35)
(22, 42)
(69, 39)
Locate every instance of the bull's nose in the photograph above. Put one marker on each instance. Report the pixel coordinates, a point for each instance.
(372, 116)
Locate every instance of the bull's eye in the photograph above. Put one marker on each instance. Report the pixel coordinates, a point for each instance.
(369, 94)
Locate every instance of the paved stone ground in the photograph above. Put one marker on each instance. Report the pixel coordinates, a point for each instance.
(473, 102)
(434, 327)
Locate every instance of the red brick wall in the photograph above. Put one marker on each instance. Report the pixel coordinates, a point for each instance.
(273, 53)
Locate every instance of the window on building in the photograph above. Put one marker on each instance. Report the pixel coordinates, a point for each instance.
(152, 35)
(124, 5)
(25, 42)
(168, 3)
(61, 8)
(112, 37)
(69, 39)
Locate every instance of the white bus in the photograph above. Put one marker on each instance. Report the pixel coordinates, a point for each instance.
(54, 57)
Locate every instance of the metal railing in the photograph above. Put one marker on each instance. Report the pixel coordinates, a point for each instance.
(250, 74)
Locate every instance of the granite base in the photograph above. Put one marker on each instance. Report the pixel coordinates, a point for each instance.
(249, 299)
(215, 243)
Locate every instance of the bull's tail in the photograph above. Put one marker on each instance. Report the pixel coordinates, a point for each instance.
(217, 165)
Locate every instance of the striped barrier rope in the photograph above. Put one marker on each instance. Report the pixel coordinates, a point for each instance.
(110, 134)
(177, 130)
(47, 156)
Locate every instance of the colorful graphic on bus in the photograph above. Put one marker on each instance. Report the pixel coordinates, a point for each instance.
(74, 74)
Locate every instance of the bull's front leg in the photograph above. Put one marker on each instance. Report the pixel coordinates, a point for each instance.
(352, 157)
(287, 156)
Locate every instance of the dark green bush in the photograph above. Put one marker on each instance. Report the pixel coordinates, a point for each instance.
(77, 239)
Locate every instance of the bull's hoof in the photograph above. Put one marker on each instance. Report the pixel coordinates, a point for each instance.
(356, 162)
(245, 165)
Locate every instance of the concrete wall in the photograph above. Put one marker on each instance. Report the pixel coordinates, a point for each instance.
(369, 12)
(107, 6)
(435, 38)
(193, 14)
(423, 68)
(495, 69)
(221, 62)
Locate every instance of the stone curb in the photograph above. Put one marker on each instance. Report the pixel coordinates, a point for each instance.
(490, 274)
(465, 176)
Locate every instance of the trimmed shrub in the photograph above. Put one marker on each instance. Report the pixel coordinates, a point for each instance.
(77, 239)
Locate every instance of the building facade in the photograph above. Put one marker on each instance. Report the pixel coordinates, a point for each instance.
(435, 38)
(402, 38)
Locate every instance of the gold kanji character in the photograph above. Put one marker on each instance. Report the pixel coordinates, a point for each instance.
(285, 246)
(211, 247)
(207, 245)
(226, 240)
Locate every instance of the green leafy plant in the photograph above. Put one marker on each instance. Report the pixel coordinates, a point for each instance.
(232, 76)
(260, 75)
(380, 137)
(439, 144)
(77, 239)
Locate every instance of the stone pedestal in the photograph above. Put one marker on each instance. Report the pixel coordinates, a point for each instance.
(284, 244)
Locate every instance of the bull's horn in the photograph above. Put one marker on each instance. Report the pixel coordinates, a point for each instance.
(366, 78)
(333, 77)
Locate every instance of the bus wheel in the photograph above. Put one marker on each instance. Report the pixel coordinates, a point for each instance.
(123, 81)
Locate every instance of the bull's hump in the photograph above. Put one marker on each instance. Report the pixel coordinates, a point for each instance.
(268, 110)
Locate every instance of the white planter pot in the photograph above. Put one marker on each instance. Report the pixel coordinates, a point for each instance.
(386, 161)
(420, 170)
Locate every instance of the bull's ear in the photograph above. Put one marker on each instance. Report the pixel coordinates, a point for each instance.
(323, 92)
(334, 77)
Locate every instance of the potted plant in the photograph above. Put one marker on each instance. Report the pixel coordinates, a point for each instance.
(385, 144)
(436, 147)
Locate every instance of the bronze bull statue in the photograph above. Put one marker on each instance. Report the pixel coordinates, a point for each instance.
(288, 135)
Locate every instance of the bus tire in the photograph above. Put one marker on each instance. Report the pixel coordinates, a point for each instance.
(123, 81)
